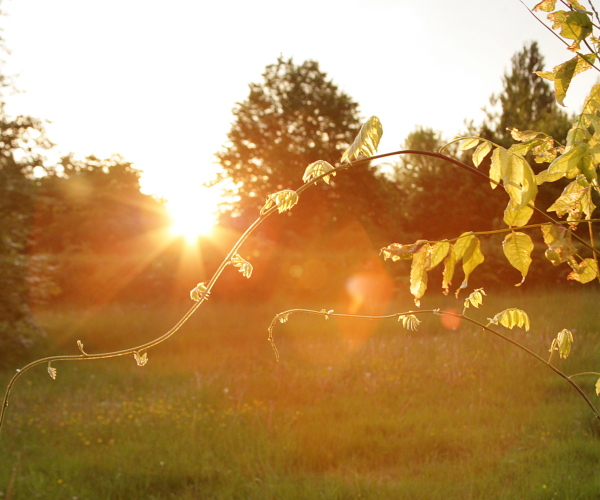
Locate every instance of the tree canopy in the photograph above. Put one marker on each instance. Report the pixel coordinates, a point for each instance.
(291, 119)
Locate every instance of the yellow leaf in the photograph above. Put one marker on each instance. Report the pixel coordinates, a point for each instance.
(51, 371)
(197, 293)
(517, 217)
(283, 200)
(510, 318)
(469, 143)
(449, 264)
(366, 142)
(418, 274)
(317, 169)
(562, 343)
(481, 152)
(141, 360)
(518, 247)
(244, 267)
(438, 253)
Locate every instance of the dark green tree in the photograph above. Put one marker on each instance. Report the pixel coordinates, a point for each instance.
(20, 138)
(291, 119)
(93, 205)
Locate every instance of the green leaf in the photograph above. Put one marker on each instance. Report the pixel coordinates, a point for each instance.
(517, 217)
(585, 271)
(317, 169)
(449, 265)
(510, 318)
(481, 152)
(572, 25)
(418, 274)
(283, 200)
(469, 143)
(518, 247)
(244, 266)
(366, 142)
(438, 253)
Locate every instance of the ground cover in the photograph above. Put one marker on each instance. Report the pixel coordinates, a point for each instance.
(352, 410)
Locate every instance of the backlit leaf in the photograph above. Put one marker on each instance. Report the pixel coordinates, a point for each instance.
(142, 359)
(572, 25)
(575, 200)
(518, 180)
(468, 249)
(283, 200)
(562, 343)
(244, 266)
(475, 299)
(510, 318)
(564, 73)
(449, 265)
(469, 143)
(560, 245)
(499, 156)
(518, 247)
(517, 217)
(546, 6)
(51, 371)
(284, 317)
(197, 293)
(438, 253)
(418, 274)
(598, 387)
(366, 142)
(317, 169)
(409, 321)
(573, 160)
(585, 271)
(481, 152)
(396, 251)
(80, 346)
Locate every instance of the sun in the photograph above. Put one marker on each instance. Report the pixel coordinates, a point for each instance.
(192, 216)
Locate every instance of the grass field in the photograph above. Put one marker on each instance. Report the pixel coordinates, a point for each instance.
(353, 409)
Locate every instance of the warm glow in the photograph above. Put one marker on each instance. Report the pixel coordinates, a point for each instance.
(192, 215)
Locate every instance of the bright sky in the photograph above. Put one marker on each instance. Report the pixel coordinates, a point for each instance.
(156, 81)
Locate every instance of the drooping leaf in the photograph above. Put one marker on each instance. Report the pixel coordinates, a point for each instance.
(366, 142)
(197, 293)
(518, 180)
(475, 298)
(510, 318)
(517, 217)
(244, 266)
(560, 245)
(438, 253)
(409, 321)
(51, 371)
(418, 273)
(518, 247)
(449, 265)
(317, 169)
(468, 248)
(572, 25)
(584, 272)
(284, 317)
(481, 152)
(499, 157)
(140, 359)
(283, 200)
(562, 343)
(598, 387)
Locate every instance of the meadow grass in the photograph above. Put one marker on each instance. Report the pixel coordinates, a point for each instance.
(354, 409)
